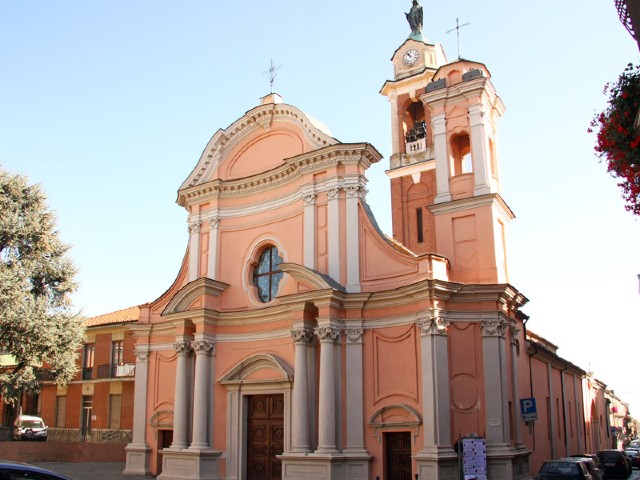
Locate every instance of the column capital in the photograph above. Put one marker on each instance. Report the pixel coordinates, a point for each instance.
(182, 348)
(515, 331)
(301, 335)
(202, 346)
(327, 334)
(354, 335)
(142, 355)
(194, 226)
(434, 325)
(494, 328)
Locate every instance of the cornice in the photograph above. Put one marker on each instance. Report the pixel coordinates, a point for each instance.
(290, 171)
(472, 202)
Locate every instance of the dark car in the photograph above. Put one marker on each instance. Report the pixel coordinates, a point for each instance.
(14, 470)
(564, 469)
(615, 463)
(601, 473)
(633, 455)
(594, 470)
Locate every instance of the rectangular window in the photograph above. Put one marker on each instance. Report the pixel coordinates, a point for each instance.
(419, 225)
(117, 352)
(115, 411)
(61, 411)
(87, 362)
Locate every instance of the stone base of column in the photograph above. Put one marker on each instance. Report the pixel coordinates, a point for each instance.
(437, 463)
(505, 462)
(190, 465)
(315, 466)
(137, 459)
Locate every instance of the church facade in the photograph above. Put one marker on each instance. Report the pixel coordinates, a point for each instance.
(300, 342)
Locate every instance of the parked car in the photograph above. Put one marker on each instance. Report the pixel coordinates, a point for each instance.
(596, 460)
(615, 463)
(29, 427)
(593, 466)
(13, 470)
(634, 456)
(564, 469)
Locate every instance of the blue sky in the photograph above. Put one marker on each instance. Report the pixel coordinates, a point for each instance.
(108, 105)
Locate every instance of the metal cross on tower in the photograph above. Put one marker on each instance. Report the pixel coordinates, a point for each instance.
(272, 73)
(457, 29)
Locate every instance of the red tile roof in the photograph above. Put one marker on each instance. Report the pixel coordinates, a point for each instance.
(128, 315)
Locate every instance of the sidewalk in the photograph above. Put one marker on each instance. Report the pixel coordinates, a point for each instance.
(91, 470)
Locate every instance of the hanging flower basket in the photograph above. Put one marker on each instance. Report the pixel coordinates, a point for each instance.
(618, 135)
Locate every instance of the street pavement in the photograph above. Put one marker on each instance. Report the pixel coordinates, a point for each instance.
(91, 471)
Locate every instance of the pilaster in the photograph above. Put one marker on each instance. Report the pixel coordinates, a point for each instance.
(138, 451)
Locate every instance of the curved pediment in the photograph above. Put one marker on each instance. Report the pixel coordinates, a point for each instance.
(194, 293)
(258, 141)
(316, 280)
(259, 368)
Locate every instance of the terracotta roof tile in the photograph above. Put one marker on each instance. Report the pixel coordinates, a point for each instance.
(126, 315)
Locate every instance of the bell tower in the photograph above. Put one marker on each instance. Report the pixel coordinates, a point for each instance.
(445, 185)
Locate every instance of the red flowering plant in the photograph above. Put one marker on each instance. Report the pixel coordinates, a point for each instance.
(618, 135)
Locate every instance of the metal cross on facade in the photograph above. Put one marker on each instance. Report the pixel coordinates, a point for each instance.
(457, 29)
(272, 73)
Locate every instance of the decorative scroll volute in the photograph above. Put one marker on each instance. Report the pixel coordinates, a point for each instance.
(327, 334)
(434, 325)
(202, 346)
(494, 328)
(182, 348)
(301, 335)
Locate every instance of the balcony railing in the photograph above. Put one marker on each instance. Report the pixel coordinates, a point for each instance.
(116, 370)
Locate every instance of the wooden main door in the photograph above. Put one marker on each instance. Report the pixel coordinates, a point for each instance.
(397, 456)
(265, 436)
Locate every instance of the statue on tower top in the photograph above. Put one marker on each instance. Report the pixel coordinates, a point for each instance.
(414, 17)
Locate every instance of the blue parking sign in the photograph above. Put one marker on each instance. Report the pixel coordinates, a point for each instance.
(528, 409)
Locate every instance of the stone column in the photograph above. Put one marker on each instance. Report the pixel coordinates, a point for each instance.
(194, 249)
(137, 452)
(181, 401)
(140, 398)
(355, 395)
(495, 381)
(300, 408)
(435, 383)
(327, 402)
(201, 400)
(443, 164)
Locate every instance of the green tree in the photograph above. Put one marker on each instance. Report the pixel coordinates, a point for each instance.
(37, 326)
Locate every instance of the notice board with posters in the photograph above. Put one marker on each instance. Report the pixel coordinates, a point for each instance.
(474, 458)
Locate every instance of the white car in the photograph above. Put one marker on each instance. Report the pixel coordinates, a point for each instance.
(29, 427)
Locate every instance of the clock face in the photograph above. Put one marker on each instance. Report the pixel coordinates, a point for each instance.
(410, 57)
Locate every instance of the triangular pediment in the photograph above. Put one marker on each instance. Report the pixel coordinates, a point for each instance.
(262, 139)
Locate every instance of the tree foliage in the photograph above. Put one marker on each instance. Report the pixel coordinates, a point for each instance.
(38, 331)
(618, 136)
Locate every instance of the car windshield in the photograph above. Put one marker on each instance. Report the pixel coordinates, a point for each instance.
(31, 424)
(560, 468)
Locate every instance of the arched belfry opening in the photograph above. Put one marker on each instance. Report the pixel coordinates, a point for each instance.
(461, 159)
(415, 127)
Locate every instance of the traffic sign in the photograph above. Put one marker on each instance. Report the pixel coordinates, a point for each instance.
(528, 409)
